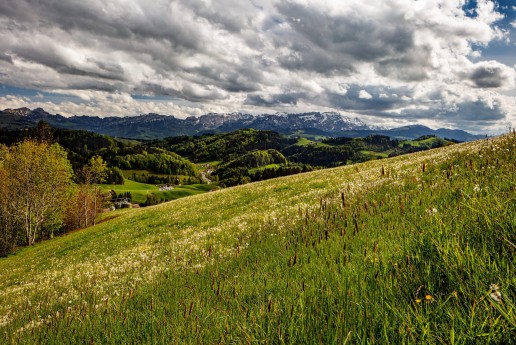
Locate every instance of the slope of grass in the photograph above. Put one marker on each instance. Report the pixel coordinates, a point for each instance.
(413, 249)
(139, 190)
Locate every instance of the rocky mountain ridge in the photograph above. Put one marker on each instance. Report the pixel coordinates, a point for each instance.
(155, 126)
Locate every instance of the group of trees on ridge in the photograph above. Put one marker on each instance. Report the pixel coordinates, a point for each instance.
(119, 155)
(39, 197)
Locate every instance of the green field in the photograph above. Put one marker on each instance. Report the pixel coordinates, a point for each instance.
(375, 155)
(416, 249)
(139, 191)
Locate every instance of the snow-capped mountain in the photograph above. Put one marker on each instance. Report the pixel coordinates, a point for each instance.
(154, 126)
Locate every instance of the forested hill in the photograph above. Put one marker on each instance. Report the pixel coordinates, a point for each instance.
(335, 151)
(219, 147)
(238, 157)
(119, 154)
(226, 153)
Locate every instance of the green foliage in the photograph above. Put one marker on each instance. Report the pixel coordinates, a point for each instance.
(114, 176)
(162, 162)
(225, 147)
(34, 192)
(319, 155)
(256, 159)
(152, 199)
(237, 171)
(269, 172)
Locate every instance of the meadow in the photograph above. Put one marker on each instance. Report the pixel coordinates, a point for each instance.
(416, 249)
(139, 191)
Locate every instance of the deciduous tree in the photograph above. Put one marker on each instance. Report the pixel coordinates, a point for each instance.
(93, 174)
(38, 181)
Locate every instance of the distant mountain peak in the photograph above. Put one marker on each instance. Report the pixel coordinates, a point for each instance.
(24, 111)
(153, 126)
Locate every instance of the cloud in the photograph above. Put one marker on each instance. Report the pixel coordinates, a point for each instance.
(385, 60)
(491, 74)
(113, 105)
(273, 100)
(364, 94)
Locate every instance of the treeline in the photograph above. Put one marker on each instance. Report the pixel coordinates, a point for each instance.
(329, 152)
(38, 195)
(161, 163)
(164, 179)
(318, 155)
(282, 170)
(81, 146)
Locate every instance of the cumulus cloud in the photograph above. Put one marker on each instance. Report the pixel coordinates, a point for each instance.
(364, 94)
(393, 60)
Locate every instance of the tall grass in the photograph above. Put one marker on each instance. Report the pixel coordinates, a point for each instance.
(414, 250)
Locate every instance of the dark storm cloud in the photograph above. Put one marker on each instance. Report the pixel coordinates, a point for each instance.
(100, 73)
(412, 66)
(6, 58)
(489, 76)
(105, 19)
(186, 92)
(87, 84)
(243, 78)
(274, 100)
(218, 15)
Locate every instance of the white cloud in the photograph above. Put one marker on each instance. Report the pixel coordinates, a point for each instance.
(364, 94)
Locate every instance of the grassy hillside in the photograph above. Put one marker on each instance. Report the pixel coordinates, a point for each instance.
(414, 249)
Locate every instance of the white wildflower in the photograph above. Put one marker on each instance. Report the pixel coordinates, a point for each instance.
(495, 293)
(431, 211)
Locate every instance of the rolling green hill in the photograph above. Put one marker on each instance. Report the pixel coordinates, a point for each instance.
(413, 249)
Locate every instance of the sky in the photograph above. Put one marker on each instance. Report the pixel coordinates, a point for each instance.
(440, 63)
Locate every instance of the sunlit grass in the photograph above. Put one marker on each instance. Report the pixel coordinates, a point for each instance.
(415, 249)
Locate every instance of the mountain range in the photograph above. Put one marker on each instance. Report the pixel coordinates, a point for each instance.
(156, 126)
